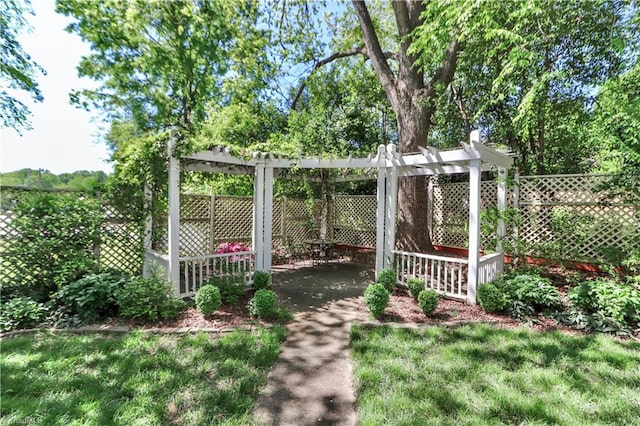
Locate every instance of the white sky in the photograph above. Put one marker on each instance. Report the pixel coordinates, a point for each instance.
(64, 138)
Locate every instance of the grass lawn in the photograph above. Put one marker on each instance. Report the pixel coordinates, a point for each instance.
(136, 378)
(483, 375)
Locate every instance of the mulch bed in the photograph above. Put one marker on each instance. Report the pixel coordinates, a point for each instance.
(402, 309)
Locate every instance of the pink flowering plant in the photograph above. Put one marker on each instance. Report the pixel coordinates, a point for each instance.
(233, 247)
(279, 253)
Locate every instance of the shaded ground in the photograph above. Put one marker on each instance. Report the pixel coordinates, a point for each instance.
(307, 287)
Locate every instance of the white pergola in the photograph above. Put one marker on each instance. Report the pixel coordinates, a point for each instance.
(472, 158)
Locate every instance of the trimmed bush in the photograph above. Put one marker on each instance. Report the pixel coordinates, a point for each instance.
(492, 298)
(263, 304)
(376, 297)
(208, 299)
(91, 298)
(232, 287)
(428, 301)
(148, 299)
(388, 279)
(415, 286)
(261, 280)
(20, 312)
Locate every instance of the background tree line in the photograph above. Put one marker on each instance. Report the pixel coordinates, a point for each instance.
(81, 180)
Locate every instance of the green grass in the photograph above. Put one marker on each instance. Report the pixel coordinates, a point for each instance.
(482, 375)
(135, 379)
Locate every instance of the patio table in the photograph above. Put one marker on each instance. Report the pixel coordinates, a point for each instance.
(320, 249)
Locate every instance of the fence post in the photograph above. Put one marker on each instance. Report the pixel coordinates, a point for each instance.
(212, 222)
(148, 228)
(430, 209)
(380, 213)
(283, 221)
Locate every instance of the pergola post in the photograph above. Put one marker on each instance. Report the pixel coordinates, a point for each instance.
(380, 215)
(258, 217)
(390, 211)
(475, 168)
(268, 218)
(174, 218)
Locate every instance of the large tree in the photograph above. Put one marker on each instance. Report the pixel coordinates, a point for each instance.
(522, 71)
(411, 93)
(18, 72)
(161, 63)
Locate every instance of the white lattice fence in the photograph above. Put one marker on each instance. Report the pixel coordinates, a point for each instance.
(355, 220)
(451, 212)
(120, 242)
(298, 223)
(207, 221)
(569, 217)
(120, 238)
(195, 225)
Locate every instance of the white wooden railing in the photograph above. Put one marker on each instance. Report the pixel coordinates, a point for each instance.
(489, 267)
(196, 270)
(151, 257)
(446, 275)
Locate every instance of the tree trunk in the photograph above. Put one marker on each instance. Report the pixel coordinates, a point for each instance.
(412, 233)
(412, 100)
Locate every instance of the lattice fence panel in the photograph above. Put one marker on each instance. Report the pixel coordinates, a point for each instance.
(299, 224)
(195, 225)
(451, 212)
(568, 217)
(276, 234)
(233, 219)
(121, 242)
(355, 220)
(120, 246)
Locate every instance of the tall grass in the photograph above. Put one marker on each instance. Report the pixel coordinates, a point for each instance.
(136, 378)
(482, 375)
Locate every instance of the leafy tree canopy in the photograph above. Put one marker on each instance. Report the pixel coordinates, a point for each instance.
(18, 72)
(528, 71)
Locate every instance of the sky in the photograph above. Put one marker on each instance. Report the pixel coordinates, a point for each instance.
(64, 138)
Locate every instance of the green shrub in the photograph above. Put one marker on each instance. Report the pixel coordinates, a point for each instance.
(91, 298)
(415, 286)
(232, 287)
(55, 235)
(388, 279)
(529, 294)
(263, 304)
(491, 297)
(208, 299)
(428, 301)
(20, 312)
(261, 280)
(376, 297)
(608, 299)
(148, 299)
